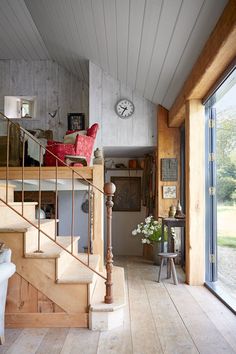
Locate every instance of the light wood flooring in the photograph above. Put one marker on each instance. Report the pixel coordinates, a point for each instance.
(159, 318)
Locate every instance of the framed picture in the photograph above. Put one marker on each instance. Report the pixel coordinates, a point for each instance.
(128, 193)
(75, 121)
(169, 192)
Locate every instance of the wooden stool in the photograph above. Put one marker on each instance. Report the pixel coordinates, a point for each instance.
(169, 257)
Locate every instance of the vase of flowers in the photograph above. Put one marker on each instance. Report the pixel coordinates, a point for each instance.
(151, 232)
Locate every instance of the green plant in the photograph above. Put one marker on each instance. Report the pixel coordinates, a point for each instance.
(151, 231)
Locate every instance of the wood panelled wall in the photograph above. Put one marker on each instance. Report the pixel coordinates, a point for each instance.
(105, 91)
(22, 297)
(168, 146)
(54, 86)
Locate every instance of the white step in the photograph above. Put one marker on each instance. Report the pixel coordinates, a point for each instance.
(49, 249)
(31, 236)
(103, 317)
(11, 188)
(65, 257)
(9, 218)
(76, 272)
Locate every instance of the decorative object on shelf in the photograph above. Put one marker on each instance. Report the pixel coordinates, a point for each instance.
(120, 165)
(169, 192)
(151, 231)
(172, 211)
(98, 157)
(169, 169)
(128, 193)
(179, 214)
(76, 121)
(133, 164)
(40, 213)
(124, 108)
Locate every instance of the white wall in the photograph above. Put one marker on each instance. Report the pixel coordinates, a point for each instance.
(53, 86)
(123, 222)
(104, 92)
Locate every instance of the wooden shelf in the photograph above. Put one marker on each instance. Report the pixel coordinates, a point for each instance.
(124, 169)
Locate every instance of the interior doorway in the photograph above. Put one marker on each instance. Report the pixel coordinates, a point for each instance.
(221, 191)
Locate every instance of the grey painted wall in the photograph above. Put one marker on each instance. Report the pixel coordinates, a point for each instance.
(65, 216)
(54, 86)
(104, 92)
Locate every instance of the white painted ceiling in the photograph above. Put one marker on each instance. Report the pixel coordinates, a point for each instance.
(149, 45)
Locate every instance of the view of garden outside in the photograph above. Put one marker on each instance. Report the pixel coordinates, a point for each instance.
(226, 189)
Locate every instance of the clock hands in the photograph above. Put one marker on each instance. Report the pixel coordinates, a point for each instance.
(124, 109)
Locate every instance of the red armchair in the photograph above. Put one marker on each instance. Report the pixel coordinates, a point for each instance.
(83, 146)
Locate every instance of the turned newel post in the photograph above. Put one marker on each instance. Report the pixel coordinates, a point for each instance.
(109, 189)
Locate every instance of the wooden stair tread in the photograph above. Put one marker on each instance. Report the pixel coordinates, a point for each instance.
(52, 250)
(19, 203)
(76, 272)
(23, 226)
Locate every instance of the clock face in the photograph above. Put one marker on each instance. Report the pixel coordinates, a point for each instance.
(124, 108)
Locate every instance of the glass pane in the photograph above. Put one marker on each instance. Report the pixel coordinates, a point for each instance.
(225, 104)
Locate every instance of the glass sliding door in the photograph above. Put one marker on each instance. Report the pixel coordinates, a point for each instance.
(221, 191)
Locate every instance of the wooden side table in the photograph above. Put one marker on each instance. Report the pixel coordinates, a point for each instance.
(172, 222)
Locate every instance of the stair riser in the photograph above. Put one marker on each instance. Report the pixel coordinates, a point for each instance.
(10, 193)
(9, 218)
(31, 236)
(65, 259)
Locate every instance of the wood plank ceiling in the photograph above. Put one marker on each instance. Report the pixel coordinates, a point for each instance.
(149, 45)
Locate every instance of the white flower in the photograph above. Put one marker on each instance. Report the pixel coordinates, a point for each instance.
(155, 222)
(134, 232)
(144, 240)
(148, 220)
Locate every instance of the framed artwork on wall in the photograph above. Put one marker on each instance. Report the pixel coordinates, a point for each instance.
(128, 193)
(169, 192)
(76, 121)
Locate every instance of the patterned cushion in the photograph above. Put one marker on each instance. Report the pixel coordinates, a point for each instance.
(70, 138)
(83, 147)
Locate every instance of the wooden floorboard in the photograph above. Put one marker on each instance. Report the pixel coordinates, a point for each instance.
(10, 337)
(159, 318)
(53, 341)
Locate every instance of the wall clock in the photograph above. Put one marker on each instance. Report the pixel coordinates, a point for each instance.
(124, 108)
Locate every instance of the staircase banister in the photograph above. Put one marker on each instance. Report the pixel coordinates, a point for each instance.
(51, 153)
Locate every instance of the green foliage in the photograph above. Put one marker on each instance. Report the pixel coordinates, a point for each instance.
(226, 241)
(226, 161)
(226, 188)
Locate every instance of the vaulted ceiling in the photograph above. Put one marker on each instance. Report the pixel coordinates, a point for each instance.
(149, 45)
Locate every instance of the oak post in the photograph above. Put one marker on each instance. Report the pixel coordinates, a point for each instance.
(109, 189)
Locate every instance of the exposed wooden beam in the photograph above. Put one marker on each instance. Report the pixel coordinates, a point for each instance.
(168, 146)
(217, 54)
(195, 196)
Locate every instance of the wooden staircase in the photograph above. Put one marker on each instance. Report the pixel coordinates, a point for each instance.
(50, 288)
